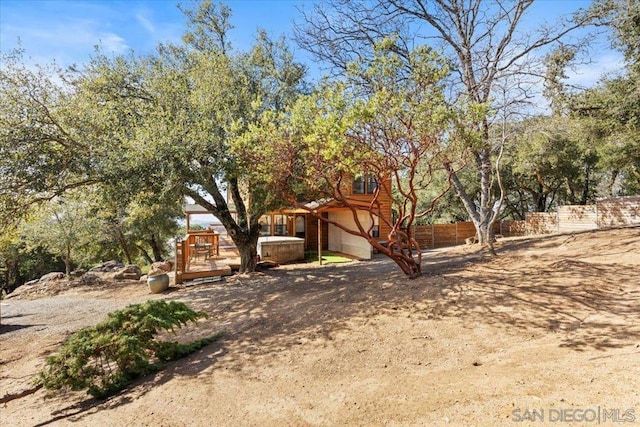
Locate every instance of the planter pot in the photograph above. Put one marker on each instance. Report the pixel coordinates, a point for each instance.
(158, 284)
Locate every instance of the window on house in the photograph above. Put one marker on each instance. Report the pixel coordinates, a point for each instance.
(265, 225)
(372, 184)
(279, 225)
(375, 231)
(359, 185)
(365, 184)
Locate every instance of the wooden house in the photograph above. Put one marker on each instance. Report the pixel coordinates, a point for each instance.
(299, 227)
(303, 222)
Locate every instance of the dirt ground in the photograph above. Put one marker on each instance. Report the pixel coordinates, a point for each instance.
(547, 333)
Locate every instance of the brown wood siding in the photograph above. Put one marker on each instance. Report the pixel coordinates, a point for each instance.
(311, 238)
(385, 203)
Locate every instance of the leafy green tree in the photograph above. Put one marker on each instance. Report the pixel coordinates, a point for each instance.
(487, 50)
(20, 264)
(134, 227)
(42, 152)
(554, 161)
(186, 110)
(63, 226)
(610, 112)
(153, 223)
(394, 132)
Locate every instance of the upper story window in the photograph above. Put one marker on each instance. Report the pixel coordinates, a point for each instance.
(364, 184)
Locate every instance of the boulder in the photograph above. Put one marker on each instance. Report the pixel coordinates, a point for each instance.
(89, 279)
(165, 266)
(77, 273)
(107, 267)
(158, 268)
(129, 272)
(56, 275)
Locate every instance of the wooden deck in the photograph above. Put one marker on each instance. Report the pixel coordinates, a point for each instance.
(221, 262)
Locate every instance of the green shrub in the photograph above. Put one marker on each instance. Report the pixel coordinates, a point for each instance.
(104, 358)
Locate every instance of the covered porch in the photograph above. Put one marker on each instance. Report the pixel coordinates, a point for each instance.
(285, 235)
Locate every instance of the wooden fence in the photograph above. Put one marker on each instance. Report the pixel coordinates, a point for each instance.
(577, 217)
(617, 211)
(442, 235)
(541, 223)
(611, 212)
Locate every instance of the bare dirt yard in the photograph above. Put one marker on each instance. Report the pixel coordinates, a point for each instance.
(547, 333)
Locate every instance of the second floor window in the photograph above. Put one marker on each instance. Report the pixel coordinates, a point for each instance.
(364, 184)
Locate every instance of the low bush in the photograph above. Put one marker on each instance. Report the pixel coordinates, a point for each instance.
(106, 357)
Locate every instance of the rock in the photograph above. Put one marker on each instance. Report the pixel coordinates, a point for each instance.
(56, 275)
(89, 279)
(77, 273)
(161, 267)
(129, 272)
(107, 267)
(165, 266)
(31, 282)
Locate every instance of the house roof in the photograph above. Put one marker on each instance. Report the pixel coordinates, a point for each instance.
(191, 208)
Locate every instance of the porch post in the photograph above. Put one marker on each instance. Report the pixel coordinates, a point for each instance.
(320, 241)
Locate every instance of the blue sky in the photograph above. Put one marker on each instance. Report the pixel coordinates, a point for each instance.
(68, 30)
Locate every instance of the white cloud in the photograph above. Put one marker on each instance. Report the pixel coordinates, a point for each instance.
(112, 43)
(146, 23)
(588, 75)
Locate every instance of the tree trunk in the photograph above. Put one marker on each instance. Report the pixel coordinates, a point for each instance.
(145, 255)
(247, 243)
(248, 257)
(124, 246)
(585, 189)
(482, 215)
(67, 262)
(243, 230)
(400, 249)
(156, 247)
(407, 263)
(485, 237)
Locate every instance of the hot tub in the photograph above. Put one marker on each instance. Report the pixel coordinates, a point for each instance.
(281, 249)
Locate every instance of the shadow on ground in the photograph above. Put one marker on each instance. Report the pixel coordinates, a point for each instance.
(587, 305)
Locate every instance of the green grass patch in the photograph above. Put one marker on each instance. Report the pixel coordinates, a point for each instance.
(327, 257)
